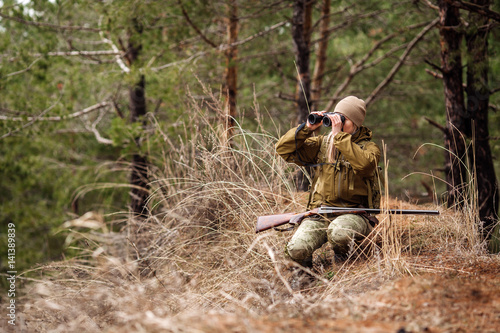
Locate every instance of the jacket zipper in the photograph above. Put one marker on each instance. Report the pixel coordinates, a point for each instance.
(339, 192)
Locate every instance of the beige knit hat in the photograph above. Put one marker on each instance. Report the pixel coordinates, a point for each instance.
(353, 108)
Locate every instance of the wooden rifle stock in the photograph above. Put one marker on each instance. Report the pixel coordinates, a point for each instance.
(271, 221)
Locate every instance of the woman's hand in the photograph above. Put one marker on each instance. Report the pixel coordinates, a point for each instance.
(336, 123)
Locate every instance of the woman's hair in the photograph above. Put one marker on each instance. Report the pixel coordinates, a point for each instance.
(331, 150)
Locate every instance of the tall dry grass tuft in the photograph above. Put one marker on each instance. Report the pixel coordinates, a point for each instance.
(390, 230)
(465, 228)
(196, 255)
(196, 251)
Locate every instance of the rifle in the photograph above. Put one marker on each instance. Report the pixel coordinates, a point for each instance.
(272, 221)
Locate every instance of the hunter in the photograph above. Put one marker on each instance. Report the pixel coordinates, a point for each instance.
(345, 159)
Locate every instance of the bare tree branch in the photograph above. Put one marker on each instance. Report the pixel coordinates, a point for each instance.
(494, 91)
(433, 65)
(430, 4)
(64, 54)
(80, 53)
(191, 23)
(29, 123)
(361, 64)
(118, 57)
(48, 25)
(58, 118)
(472, 7)
(176, 63)
(221, 47)
(93, 128)
(435, 124)
(259, 34)
(434, 74)
(402, 59)
(330, 15)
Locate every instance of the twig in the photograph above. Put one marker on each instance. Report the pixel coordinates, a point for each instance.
(23, 70)
(435, 124)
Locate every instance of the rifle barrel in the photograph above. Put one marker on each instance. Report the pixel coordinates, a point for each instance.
(326, 210)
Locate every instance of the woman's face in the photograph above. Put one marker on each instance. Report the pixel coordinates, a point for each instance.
(349, 126)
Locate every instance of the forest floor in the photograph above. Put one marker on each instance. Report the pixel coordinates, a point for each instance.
(459, 296)
(454, 295)
(435, 280)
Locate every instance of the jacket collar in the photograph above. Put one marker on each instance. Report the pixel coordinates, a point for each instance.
(364, 133)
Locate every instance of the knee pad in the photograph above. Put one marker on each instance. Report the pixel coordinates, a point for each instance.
(296, 253)
(341, 241)
(343, 232)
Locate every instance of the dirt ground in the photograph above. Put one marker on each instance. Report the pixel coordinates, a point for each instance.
(454, 296)
(449, 293)
(436, 285)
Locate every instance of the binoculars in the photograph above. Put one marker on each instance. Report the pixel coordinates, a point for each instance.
(314, 118)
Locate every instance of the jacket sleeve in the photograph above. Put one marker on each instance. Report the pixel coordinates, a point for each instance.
(303, 143)
(363, 161)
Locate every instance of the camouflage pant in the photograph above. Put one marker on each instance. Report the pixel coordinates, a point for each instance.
(316, 231)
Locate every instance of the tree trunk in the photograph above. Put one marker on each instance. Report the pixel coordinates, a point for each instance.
(451, 62)
(319, 67)
(477, 110)
(231, 82)
(302, 55)
(301, 23)
(137, 105)
(139, 167)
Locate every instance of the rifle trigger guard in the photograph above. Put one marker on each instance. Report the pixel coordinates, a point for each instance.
(294, 220)
(284, 229)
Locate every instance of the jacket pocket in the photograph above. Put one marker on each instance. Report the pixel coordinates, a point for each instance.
(348, 187)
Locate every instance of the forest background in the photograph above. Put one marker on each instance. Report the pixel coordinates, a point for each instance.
(93, 91)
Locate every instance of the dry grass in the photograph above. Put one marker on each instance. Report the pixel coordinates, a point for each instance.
(195, 263)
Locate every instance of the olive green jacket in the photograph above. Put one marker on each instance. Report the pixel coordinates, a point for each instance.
(342, 183)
